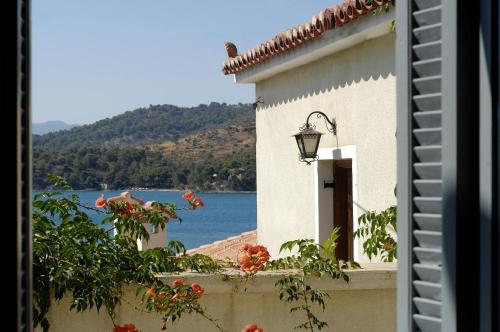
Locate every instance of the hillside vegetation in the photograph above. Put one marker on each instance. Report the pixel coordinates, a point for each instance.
(144, 126)
(207, 147)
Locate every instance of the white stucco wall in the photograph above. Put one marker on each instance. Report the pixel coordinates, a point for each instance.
(357, 86)
(157, 238)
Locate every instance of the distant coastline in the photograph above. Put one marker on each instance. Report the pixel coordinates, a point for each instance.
(151, 190)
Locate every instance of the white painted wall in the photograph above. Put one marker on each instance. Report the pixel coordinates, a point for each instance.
(357, 87)
(157, 238)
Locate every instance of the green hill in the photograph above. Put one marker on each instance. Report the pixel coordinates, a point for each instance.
(207, 147)
(144, 126)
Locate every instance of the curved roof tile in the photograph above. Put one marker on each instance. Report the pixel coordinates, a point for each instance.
(329, 18)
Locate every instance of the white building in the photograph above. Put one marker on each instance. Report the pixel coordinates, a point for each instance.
(342, 63)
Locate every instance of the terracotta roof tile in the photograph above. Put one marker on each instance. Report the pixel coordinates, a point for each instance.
(228, 248)
(329, 18)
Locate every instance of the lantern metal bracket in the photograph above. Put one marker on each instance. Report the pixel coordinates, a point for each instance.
(333, 123)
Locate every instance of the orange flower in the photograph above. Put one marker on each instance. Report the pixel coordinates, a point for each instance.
(179, 282)
(253, 258)
(197, 289)
(198, 202)
(125, 328)
(151, 292)
(188, 196)
(179, 296)
(252, 328)
(244, 258)
(100, 202)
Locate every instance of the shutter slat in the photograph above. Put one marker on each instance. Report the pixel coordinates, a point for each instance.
(427, 323)
(427, 68)
(430, 221)
(428, 102)
(428, 171)
(429, 273)
(423, 4)
(428, 204)
(428, 256)
(428, 50)
(428, 307)
(428, 239)
(428, 136)
(431, 119)
(428, 290)
(428, 33)
(430, 188)
(428, 153)
(431, 84)
(427, 16)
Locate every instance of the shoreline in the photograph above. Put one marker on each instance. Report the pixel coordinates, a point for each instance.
(151, 190)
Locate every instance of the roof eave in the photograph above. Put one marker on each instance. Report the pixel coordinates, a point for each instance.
(331, 42)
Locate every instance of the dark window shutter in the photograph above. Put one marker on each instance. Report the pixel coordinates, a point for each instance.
(447, 67)
(426, 111)
(419, 73)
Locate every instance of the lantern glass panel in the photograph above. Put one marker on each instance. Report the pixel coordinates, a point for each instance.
(311, 143)
(300, 143)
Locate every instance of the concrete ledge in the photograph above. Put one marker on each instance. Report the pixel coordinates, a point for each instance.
(370, 276)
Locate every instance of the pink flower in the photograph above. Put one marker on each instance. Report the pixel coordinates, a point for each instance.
(100, 202)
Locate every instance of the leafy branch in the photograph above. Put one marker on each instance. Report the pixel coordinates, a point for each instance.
(311, 260)
(373, 226)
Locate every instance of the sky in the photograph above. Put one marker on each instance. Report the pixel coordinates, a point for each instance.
(95, 59)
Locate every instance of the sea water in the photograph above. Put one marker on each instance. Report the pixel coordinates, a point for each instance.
(224, 214)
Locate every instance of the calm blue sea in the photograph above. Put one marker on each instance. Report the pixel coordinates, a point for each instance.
(224, 214)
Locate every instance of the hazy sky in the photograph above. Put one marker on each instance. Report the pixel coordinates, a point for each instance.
(94, 59)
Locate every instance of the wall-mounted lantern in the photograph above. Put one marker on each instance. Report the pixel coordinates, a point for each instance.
(308, 138)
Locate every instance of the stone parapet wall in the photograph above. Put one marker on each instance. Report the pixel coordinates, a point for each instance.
(366, 303)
